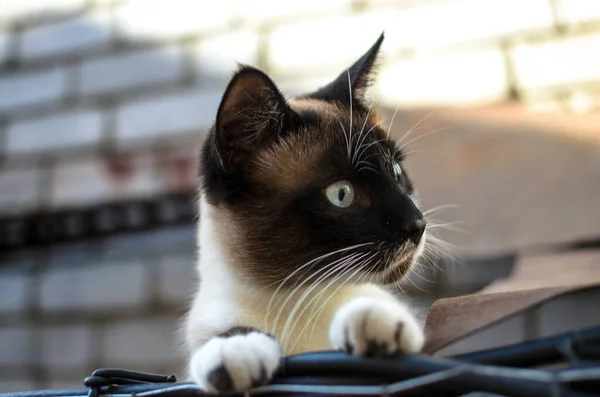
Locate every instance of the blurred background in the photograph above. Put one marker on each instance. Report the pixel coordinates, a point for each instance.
(104, 103)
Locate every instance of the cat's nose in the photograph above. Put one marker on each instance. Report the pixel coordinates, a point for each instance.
(415, 229)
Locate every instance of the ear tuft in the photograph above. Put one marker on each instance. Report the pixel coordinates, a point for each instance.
(252, 112)
(355, 80)
(363, 72)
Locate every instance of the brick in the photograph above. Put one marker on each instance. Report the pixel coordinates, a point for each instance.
(19, 189)
(569, 313)
(97, 286)
(531, 62)
(256, 11)
(302, 85)
(177, 168)
(32, 88)
(218, 56)
(149, 19)
(66, 346)
(4, 42)
(167, 115)
(458, 78)
(15, 346)
(18, 9)
(577, 11)
(94, 180)
(326, 44)
(79, 183)
(442, 23)
(129, 70)
(91, 31)
(14, 287)
(141, 343)
(16, 385)
(177, 278)
(62, 131)
(177, 240)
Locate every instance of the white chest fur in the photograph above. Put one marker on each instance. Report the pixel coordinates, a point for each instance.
(300, 319)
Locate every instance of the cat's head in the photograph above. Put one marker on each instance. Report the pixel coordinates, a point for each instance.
(310, 184)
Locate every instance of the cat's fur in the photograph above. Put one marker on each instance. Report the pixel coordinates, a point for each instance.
(283, 270)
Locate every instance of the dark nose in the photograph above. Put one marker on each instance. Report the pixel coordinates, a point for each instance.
(415, 229)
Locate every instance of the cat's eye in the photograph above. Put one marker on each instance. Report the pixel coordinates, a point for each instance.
(397, 170)
(340, 193)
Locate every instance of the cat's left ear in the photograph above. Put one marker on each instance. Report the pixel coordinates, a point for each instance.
(252, 113)
(356, 80)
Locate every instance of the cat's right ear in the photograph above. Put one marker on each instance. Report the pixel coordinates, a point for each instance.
(252, 113)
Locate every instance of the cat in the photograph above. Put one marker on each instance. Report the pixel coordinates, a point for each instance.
(306, 213)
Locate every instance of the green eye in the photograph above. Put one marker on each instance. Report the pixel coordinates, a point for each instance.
(397, 170)
(340, 193)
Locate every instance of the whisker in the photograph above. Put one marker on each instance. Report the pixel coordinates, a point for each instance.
(309, 263)
(365, 147)
(405, 144)
(292, 316)
(392, 122)
(411, 152)
(367, 168)
(325, 268)
(438, 209)
(359, 267)
(348, 139)
(407, 134)
(360, 140)
(347, 268)
(431, 225)
(351, 100)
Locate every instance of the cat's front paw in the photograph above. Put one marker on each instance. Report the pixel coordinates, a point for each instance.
(235, 363)
(371, 327)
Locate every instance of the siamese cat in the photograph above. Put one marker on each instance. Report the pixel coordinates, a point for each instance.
(306, 213)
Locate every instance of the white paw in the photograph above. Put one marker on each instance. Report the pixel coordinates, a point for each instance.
(371, 327)
(235, 363)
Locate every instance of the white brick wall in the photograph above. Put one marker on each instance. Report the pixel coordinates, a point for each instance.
(219, 56)
(434, 24)
(124, 346)
(18, 9)
(462, 78)
(178, 279)
(4, 41)
(75, 59)
(325, 44)
(66, 346)
(189, 112)
(84, 33)
(566, 61)
(90, 181)
(258, 11)
(94, 287)
(16, 347)
(19, 189)
(132, 69)
(63, 131)
(79, 183)
(577, 11)
(32, 88)
(150, 19)
(14, 286)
